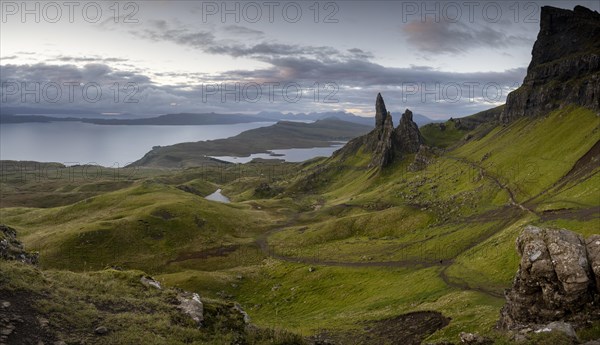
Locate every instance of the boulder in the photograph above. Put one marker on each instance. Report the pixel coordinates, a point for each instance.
(190, 304)
(101, 330)
(555, 280)
(150, 282)
(474, 339)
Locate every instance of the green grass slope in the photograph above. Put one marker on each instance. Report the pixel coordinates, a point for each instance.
(62, 306)
(332, 244)
(143, 226)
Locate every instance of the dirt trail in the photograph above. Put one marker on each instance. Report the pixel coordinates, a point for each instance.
(486, 174)
(465, 286)
(509, 215)
(262, 243)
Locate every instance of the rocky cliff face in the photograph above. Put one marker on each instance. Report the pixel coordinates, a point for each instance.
(385, 142)
(384, 149)
(381, 113)
(380, 139)
(557, 279)
(407, 135)
(565, 65)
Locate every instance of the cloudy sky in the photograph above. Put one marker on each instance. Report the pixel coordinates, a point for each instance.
(440, 59)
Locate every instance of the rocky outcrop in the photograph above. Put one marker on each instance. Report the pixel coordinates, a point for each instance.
(381, 113)
(565, 65)
(12, 249)
(556, 280)
(407, 134)
(385, 142)
(190, 304)
(379, 141)
(423, 158)
(593, 248)
(384, 150)
(150, 282)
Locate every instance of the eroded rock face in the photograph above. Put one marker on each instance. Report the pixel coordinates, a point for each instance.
(555, 280)
(407, 134)
(565, 65)
(12, 249)
(381, 113)
(423, 158)
(385, 142)
(593, 250)
(384, 150)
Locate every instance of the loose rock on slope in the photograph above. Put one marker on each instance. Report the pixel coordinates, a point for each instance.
(12, 249)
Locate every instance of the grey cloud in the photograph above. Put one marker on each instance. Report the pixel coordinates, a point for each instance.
(207, 41)
(357, 81)
(239, 30)
(366, 73)
(457, 37)
(87, 59)
(360, 54)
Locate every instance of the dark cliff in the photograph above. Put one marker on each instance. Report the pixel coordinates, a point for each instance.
(565, 65)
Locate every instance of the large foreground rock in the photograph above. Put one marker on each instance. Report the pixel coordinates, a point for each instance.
(556, 280)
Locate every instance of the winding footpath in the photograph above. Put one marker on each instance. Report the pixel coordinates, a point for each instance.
(508, 218)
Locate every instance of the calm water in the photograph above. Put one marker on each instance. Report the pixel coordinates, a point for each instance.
(81, 143)
(289, 155)
(217, 196)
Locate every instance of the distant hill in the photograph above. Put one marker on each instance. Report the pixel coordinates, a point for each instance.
(365, 120)
(163, 120)
(282, 135)
(183, 119)
(448, 133)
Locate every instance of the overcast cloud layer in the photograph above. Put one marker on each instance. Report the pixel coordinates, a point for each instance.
(178, 58)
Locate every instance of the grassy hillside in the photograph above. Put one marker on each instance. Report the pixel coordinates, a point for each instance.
(62, 306)
(329, 247)
(530, 155)
(453, 131)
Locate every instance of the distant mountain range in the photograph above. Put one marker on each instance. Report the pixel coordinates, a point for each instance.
(26, 115)
(369, 121)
